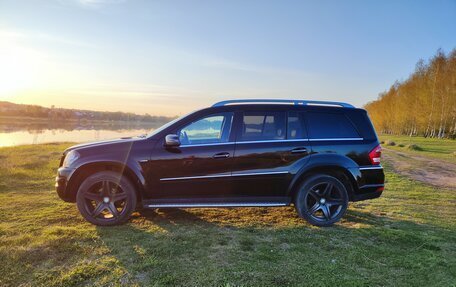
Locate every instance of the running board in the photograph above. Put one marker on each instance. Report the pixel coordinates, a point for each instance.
(215, 204)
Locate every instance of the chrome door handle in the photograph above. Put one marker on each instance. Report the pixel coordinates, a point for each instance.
(221, 155)
(299, 150)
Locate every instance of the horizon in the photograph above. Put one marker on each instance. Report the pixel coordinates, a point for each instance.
(169, 58)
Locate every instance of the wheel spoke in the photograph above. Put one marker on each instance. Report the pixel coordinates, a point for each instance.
(328, 189)
(112, 208)
(334, 202)
(314, 194)
(93, 196)
(105, 190)
(314, 208)
(326, 211)
(99, 209)
(119, 196)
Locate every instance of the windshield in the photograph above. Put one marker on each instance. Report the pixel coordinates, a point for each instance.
(154, 132)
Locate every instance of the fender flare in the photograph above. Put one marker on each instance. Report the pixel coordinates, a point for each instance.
(319, 162)
(131, 169)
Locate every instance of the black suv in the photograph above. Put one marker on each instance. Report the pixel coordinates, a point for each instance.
(315, 155)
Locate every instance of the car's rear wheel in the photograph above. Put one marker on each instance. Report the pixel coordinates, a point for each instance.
(106, 198)
(322, 200)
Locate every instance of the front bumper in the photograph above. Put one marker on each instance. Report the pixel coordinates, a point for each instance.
(61, 184)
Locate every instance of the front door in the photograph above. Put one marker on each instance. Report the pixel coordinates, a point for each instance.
(201, 166)
(271, 147)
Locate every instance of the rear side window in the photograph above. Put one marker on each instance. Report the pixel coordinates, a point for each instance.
(328, 126)
(296, 126)
(263, 126)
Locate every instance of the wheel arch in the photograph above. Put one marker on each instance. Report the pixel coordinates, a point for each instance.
(338, 171)
(87, 169)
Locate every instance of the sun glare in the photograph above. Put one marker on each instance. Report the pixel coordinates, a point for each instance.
(17, 69)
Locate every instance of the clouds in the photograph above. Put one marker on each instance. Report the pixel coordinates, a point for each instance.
(246, 67)
(34, 36)
(98, 3)
(91, 4)
(195, 53)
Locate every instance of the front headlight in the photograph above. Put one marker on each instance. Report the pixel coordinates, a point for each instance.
(70, 158)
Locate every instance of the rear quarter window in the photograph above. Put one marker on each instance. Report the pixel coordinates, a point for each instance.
(330, 125)
(362, 123)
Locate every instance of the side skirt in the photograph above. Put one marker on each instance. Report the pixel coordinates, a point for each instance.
(216, 202)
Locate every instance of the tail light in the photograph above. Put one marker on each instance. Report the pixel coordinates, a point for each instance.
(62, 158)
(375, 154)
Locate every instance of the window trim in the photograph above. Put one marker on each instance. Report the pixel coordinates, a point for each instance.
(236, 129)
(276, 141)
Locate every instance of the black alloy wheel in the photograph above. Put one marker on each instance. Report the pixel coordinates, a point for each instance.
(106, 198)
(322, 200)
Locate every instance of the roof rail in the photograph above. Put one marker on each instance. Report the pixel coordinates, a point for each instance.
(278, 101)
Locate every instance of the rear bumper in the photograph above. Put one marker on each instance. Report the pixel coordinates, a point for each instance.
(61, 183)
(370, 181)
(367, 195)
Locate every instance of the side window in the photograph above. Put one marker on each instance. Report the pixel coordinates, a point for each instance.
(327, 125)
(263, 126)
(211, 129)
(296, 126)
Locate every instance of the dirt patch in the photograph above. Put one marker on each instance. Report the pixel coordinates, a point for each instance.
(431, 171)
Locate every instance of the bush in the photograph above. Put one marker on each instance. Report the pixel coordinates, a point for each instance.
(414, 147)
(382, 142)
(390, 143)
(400, 145)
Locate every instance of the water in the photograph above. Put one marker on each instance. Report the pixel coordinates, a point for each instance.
(20, 132)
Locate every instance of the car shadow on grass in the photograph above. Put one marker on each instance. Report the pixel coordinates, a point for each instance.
(248, 246)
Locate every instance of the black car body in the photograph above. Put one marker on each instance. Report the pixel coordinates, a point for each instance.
(235, 153)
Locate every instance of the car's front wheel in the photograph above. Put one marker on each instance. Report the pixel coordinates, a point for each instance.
(106, 198)
(322, 200)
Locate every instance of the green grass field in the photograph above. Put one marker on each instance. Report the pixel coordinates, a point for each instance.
(407, 237)
(444, 149)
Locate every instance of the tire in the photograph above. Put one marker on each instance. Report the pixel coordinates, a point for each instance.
(322, 200)
(106, 198)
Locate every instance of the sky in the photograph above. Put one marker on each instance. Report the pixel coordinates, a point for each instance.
(172, 57)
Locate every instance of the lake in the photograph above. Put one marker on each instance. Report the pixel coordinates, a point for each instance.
(32, 131)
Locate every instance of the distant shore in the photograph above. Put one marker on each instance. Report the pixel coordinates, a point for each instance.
(71, 120)
(9, 124)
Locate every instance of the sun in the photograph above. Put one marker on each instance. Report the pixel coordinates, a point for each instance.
(17, 69)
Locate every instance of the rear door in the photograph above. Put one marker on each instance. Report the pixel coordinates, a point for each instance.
(271, 146)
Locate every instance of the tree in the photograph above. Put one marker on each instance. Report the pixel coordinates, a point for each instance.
(424, 104)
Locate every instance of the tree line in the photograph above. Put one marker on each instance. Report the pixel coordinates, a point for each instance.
(424, 104)
(19, 110)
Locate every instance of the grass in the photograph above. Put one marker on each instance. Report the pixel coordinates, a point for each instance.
(407, 237)
(444, 149)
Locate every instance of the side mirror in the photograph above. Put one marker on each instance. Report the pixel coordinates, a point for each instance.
(172, 140)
